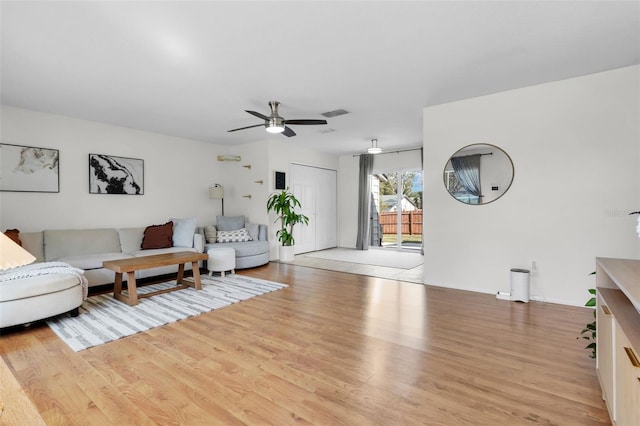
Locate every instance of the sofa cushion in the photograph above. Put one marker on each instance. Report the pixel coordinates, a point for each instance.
(249, 248)
(229, 223)
(131, 239)
(254, 230)
(158, 236)
(183, 230)
(37, 286)
(33, 242)
(240, 235)
(92, 261)
(75, 242)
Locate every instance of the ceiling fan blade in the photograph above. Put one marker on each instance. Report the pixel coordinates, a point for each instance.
(257, 114)
(248, 127)
(306, 121)
(288, 132)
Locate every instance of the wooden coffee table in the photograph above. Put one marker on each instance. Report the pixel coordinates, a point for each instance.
(131, 265)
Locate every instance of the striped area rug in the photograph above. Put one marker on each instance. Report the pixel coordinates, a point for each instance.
(103, 319)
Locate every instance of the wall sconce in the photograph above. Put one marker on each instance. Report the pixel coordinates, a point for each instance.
(228, 158)
(216, 192)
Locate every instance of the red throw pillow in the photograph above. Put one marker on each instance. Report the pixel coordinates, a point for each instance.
(14, 234)
(158, 236)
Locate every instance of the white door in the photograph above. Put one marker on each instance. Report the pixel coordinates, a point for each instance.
(326, 210)
(316, 189)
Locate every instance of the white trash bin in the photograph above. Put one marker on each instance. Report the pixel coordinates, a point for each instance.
(520, 284)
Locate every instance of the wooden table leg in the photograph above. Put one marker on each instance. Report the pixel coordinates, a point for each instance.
(195, 282)
(117, 286)
(196, 275)
(131, 287)
(180, 273)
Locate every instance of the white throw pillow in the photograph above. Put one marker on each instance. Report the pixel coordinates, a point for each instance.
(183, 230)
(239, 235)
(210, 233)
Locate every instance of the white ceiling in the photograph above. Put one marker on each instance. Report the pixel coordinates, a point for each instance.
(190, 69)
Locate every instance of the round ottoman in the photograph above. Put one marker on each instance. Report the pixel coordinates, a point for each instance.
(221, 259)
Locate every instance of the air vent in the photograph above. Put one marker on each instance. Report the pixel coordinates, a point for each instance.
(335, 113)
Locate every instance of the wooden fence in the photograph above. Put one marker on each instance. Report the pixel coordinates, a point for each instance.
(411, 222)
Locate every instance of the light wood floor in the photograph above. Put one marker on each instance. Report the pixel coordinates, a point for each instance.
(333, 348)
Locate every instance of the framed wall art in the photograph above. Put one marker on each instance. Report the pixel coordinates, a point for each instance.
(280, 180)
(29, 169)
(115, 175)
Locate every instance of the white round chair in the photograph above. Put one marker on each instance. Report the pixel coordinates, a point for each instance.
(221, 259)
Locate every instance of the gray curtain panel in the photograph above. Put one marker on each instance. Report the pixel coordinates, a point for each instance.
(467, 170)
(364, 195)
(422, 169)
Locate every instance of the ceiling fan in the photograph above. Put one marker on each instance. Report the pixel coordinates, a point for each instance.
(276, 124)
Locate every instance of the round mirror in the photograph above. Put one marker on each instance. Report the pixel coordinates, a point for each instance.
(478, 174)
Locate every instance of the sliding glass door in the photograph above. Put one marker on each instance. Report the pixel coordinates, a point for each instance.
(396, 219)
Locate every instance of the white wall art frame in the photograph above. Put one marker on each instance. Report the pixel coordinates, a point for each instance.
(29, 169)
(115, 175)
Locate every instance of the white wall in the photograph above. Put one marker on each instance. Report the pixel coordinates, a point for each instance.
(282, 153)
(177, 174)
(575, 145)
(239, 181)
(348, 200)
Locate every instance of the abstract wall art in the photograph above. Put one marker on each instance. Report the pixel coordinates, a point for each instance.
(29, 169)
(115, 175)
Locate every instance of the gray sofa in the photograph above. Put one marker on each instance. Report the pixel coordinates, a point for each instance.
(87, 248)
(249, 254)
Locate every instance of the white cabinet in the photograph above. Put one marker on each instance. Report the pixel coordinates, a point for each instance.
(618, 328)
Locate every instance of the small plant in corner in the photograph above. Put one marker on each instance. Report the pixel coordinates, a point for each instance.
(589, 332)
(284, 204)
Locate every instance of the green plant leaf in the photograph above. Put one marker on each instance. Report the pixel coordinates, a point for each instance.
(589, 332)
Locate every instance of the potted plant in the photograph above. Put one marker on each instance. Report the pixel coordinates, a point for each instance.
(284, 204)
(589, 332)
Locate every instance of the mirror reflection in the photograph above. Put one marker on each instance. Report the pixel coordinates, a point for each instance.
(478, 174)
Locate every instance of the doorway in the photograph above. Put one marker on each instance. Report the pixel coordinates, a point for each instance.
(396, 218)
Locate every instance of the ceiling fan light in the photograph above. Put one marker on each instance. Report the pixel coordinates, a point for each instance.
(374, 147)
(275, 124)
(275, 129)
